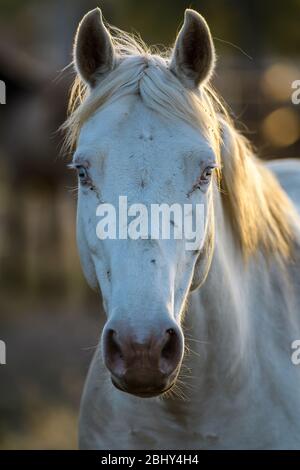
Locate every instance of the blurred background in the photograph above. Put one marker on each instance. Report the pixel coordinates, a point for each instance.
(49, 318)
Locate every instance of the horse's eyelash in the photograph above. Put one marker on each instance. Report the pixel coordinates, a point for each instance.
(76, 166)
(213, 166)
(72, 166)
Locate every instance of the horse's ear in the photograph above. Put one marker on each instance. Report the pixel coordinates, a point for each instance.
(193, 58)
(93, 49)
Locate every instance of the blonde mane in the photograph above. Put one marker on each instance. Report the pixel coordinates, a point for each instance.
(259, 210)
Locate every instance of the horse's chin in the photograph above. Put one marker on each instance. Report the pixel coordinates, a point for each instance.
(140, 393)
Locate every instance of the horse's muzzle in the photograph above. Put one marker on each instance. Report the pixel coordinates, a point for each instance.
(147, 368)
(143, 391)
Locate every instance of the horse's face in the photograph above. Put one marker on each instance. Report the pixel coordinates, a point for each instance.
(126, 149)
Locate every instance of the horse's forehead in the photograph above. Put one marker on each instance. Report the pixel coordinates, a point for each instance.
(129, 125)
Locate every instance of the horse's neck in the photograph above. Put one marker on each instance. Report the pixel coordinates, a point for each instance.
(236, 313)
(216, 323)
(214, 372)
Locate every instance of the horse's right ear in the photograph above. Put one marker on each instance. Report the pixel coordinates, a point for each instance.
(93, 49)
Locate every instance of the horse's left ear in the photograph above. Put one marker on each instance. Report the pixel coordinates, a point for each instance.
(93, 49)
(193, 58)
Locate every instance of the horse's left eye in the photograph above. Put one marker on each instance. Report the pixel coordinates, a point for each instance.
(82, 173)
(206, 175)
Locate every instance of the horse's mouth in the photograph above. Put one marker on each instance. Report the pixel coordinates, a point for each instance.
(140, 393)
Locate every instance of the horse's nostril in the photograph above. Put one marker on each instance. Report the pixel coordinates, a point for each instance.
(171, 346)
(170, 331)
(112, 347)
(113, 353)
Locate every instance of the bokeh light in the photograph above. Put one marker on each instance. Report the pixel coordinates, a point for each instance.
(277, 81)
(282, 127)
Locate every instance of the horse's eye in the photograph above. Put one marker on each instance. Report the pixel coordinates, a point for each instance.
(206, 175)
(82, 173)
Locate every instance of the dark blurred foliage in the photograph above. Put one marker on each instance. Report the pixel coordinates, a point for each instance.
(265, 28)
(48, 315)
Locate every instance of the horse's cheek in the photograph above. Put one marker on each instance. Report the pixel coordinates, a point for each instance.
(86, 260)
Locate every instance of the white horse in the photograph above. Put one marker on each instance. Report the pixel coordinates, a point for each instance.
(150, 127)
